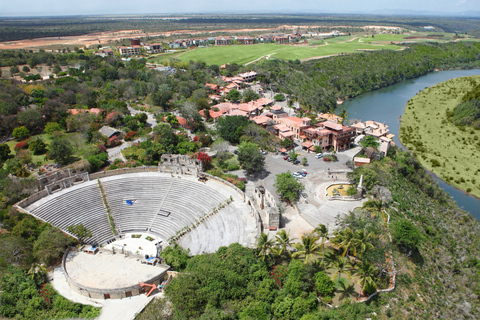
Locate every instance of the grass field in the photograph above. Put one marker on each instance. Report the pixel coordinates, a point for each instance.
(248, 53)
(447, 150)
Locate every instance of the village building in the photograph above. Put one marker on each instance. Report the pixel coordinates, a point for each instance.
(329, 116)
(378, 130)
(281, 39)
(223, 41)
(330, 135)
(245, 40)
(153, 48)
(129, 51)
(248, 76)
(109, 131)
(104, 53)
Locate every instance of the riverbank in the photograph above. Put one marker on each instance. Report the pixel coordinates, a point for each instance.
(450, 152)
(388, 104)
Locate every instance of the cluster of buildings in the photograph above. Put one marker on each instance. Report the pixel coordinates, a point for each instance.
(136, 46)
(233, 83)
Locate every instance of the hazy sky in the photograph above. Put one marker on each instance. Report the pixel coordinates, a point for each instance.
(73, 7)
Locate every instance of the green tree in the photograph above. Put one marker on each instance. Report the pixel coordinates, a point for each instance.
(362, 242)
(234, 95)
(344, 239)
(288, 187)
(50, 245)
(250, 157)
(176, 256)
(323, 284)
(279, 97)
(14, 70)
(283, 242)
(80, 232)
(322, 231)
(286, 143)
(20, 133)
(405, 234)
(249, 95)
(51, 127)
(263, 245)
(308, 248)
(37, 146)
(293, 155)
(369, 141)
(344, 115)
(339, 265)
(4, 152)
(365, 271)
(304, 161)
(230, 127)
(61, 150)
(26, 69)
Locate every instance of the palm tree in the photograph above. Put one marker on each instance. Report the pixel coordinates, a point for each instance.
(365, 271)
(283, 242)
(322, 232)
(36, 269)
(344, 115)
(375, 206)
(361, 242)
(339, 265)
(344, 239)
(263, 245)
(307, 247)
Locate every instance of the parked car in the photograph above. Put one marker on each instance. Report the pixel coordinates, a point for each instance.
(296, 175)
(319, 156)
(289, 159)
(236, 151)
(263, 152)
(296, 162)
(285, 158)
(302, 173)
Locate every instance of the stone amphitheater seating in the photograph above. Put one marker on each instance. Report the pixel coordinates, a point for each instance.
(79, 204)
(185, 198)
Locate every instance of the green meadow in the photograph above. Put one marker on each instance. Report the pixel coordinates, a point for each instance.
(242, 54)
(449, 151)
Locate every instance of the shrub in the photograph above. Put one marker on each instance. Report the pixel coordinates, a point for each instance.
(20, 133)
(37, 146)
(323, 284)
(279, 97)
(130, 136)
(21, 145)
(233, 167)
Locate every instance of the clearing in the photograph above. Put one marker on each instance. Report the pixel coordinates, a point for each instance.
(242, 54)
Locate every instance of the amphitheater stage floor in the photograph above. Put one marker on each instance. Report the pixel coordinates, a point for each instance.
(108, 271)
(140, 246)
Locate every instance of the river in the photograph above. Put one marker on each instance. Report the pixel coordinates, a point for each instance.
(388, 104)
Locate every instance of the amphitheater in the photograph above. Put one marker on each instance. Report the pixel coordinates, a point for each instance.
(145, 202)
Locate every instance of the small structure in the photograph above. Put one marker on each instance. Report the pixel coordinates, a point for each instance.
(361, 161)
(90, 249)
(109, 131)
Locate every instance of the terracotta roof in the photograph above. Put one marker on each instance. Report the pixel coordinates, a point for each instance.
(307, 144)
(276, 107)
(281, 127)
(333, 125)
(237, 112)
(261, 119)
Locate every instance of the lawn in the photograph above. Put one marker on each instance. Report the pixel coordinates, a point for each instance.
(247, 53)
(447, 150)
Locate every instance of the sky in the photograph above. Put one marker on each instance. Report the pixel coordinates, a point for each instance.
(90, 7)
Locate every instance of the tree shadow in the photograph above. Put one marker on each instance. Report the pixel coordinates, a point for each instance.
(258, 176)
(346, 291)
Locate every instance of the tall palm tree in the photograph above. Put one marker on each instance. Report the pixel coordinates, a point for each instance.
(307, 247)
(365, 271)
(344, 115)
(322, 232)
(283, 242)
(361, 242)
(375, 207)
(263, 245)
(339, 265)
(36, 269)
(344, 239)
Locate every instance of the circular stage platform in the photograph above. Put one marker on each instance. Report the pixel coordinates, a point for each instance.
(105, 275)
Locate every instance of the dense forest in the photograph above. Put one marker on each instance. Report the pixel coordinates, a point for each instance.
(28, 28)
(318, 84)
(435, 248)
